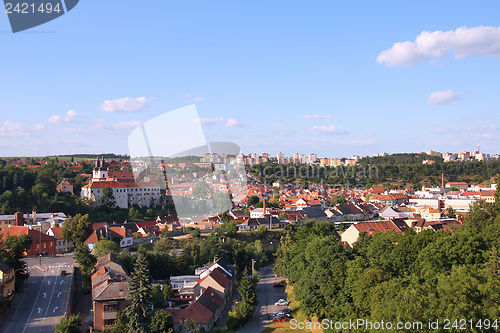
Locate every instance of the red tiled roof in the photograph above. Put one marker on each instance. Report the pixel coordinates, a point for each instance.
(35, 234)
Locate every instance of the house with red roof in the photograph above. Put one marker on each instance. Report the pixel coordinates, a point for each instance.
(110, 288)
(219, 280)
(351, 235)
(62, 246)
(42, 243)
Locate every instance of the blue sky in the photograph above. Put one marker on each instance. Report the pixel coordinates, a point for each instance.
(291, 76)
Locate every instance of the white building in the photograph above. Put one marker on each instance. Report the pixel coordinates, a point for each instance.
(143, 194)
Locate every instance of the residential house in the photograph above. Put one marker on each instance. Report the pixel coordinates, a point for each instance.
(204, 311)
(351, 235)
(316, 213)
(62, 246)
(64, 187)
(349, 212)
(6, 281)
(110, 288)
(42, 244)
(219, 280)
(388, 213)
(430, 213)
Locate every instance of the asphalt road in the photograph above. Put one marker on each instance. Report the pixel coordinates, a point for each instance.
(267, 296)
(39, 307)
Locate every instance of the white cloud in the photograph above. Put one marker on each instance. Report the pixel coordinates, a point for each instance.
(67, 118)
(465, 42)
(125, 105)
(232, 122)
(127, 125)
(317, 116)
(197, 99)
(442, 97)
(14, 130)
(332, 129)
(210, 121)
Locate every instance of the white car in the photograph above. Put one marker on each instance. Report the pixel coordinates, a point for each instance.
(281, 302)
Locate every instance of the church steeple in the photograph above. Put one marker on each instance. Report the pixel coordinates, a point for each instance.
(100, 172)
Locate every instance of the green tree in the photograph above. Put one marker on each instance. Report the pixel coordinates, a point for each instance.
(139, 311)
(84, 258)
(252, 200)
(69, 325)
(107, 200)
(157, 297)
(192, 327)
(167, 291)
(196, 233)
(338, 199)
(222, 201)
(229, 228)
(162, 322)
(104, 247)
(77, 229)
(246, 288)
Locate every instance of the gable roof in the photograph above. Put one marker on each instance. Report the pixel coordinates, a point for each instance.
(112, 291)
(35, 234)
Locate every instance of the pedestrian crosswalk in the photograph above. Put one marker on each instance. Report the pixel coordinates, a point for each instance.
(50, 266)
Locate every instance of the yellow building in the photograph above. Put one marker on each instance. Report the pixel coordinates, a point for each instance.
(6, 281)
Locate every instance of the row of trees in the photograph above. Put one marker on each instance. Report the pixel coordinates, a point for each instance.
(398, 277)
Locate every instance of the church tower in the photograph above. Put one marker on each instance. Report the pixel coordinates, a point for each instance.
(100, 172)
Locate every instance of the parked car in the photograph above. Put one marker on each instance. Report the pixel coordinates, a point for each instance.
(281, 302)
(280, 318)
(278, 285)
(284, 312)
(63, 273)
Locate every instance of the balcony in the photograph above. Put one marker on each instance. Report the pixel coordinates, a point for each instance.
(8, 284)
(109, 315)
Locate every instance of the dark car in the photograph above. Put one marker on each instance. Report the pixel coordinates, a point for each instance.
(63, 273)
(284, 312)
(280, 318)
(278, 285)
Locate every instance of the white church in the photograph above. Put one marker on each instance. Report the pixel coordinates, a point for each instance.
(143, 194)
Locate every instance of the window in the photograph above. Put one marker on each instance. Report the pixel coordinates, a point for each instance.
(109, 322)
(44, 245)
(110, 307)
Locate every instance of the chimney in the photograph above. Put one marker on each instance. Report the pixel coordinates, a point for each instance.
(264, 213)
(442, 180)
(118, 277)
(19, 219)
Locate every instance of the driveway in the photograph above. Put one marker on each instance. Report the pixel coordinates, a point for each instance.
(267, 295)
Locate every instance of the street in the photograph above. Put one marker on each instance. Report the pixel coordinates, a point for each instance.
(39, 307)
(267, 296)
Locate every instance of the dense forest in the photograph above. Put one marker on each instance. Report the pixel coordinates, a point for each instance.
(403, 175)
(399, 277)
(400, 158)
